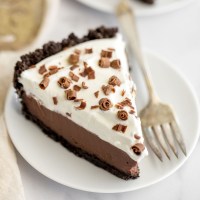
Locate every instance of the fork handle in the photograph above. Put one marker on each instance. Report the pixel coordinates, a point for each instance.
(127, 21)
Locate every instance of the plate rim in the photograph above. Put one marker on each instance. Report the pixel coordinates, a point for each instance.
(147, 13)
(197, 105)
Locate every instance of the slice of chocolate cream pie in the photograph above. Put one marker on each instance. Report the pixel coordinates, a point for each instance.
(80, 93)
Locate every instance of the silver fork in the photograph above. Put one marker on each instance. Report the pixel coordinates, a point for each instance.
(159, 124)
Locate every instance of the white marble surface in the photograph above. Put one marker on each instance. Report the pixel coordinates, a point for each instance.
(175, 36)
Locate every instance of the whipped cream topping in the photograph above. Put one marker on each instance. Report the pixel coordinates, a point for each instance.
(96, 121)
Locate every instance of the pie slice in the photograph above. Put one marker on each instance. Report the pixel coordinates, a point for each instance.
(80, 93)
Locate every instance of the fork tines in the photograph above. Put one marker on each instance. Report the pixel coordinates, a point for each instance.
(164, 136)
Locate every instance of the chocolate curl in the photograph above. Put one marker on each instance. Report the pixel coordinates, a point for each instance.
(96, 94)
(116, 64)
(131, 112)
(45, 82)
(78, 100)
(70, 94)
(77, 88)
(82, 106)
(74, 67)
(113, 80)
(46, 75)
(123, 92)
(73, 76)
(136, 136)
(94, 107)
(119, 106)
(138, 148)
(89, 50)
(84, 86)
(104, 62)
(73, 59)
(107, 54)
(119, 128)
(111, 49)
(42, 69)
(108, 89)
(53, 67)
(55, 100)
(53, 70)
(90, 72)
(122, 114)
(64, 82)
(77, 51)
(105, 104)
(127, 102)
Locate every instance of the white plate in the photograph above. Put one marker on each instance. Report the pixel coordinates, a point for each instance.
(141, 9)
(55, 162)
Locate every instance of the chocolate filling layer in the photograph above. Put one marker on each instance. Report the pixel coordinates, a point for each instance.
(82, 139)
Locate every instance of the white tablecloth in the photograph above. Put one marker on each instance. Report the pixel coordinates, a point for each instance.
(176, 36)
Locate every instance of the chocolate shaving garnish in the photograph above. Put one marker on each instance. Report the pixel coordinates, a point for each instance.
(64, 82)
(107, 54)
(91, 75)
(85, 64)
(111, 49)
(46, 75)
(104, 62)
(77, 51)
(138, 148)
(68, 114)
(89, 50)
(119, 128)
(96, 94)
(31, 67)
(94, 107)
(45, 82)
(84, 86)
(73, 76)
(131, 112)
(119, 106)
(123, 92)
(122, 114)
(113, 80)
(78, 100)
(136, 136)
(105, 104)
(42, 69)
(90, 72)
(53, 67)
(107, 89)
(74, 67)
(83, 73)
(55, 100)
(82, 106)
(70, 94)
(116, 64)
(126, 102)
(53, 71)
(73, 59)
(77, 88)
